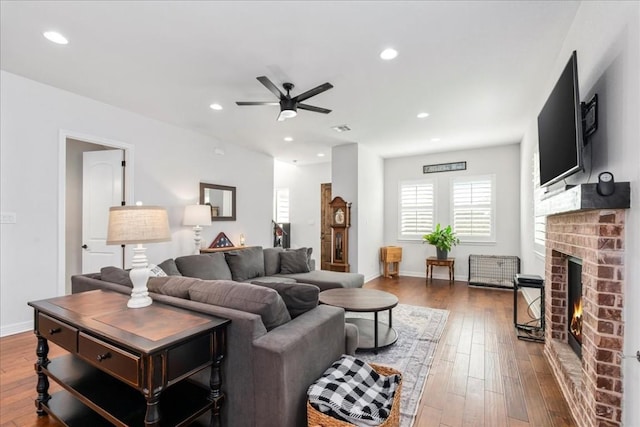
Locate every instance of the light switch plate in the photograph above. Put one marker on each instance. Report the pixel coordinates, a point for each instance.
(7, 218)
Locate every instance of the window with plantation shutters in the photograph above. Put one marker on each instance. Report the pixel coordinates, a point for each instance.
(282, 205)
(473, 208)
(417, 207)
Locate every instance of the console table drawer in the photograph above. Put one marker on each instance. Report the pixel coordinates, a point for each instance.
(57, 332)
(111, 359)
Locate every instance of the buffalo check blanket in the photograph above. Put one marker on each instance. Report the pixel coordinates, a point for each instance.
(350, 390)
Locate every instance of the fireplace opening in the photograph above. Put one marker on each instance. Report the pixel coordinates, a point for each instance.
(574, 304)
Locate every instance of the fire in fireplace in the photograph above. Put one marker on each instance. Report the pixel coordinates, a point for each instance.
(575, 326)
(574, 299)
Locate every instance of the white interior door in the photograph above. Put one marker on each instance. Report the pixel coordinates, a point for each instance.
(102, 187)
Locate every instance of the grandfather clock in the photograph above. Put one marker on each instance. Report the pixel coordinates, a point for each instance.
(340, 223)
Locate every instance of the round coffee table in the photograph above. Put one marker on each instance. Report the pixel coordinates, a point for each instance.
(372, 333)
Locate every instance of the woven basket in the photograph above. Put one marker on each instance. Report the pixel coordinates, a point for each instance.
(316, 418)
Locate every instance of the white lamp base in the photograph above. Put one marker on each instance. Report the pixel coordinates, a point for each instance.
(139, 275)
(197, 238)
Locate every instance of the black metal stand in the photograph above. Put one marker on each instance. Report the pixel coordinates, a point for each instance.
(525, 331)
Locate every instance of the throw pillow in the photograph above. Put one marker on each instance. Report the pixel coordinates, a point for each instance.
(245, 263)
(272, 261)
(307, 252)
(174, 286)
(298, 297)
(155, 271)
(292, 262)
(245, 297)
(116, 275)
(207, 266)
(169, 266)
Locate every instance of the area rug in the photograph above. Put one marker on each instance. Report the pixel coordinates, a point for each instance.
(419, 330)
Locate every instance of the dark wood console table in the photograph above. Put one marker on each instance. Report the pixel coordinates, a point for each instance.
(126, 367)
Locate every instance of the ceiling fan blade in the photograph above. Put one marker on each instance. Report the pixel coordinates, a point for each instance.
(256, 103)
(313, 92)
(314, 109)
(269, 85)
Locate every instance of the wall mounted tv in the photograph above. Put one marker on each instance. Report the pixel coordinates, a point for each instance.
(560, 128)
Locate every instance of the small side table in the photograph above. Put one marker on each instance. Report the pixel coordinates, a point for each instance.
(391, 257)
(435, 262)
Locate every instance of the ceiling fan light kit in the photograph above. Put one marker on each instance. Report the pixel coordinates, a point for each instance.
(289, 105)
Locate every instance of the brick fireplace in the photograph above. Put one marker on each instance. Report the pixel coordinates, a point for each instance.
(592, 385)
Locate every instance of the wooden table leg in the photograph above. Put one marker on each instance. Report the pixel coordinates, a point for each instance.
(42, 387)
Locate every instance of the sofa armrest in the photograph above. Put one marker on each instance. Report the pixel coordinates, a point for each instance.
(290, 358)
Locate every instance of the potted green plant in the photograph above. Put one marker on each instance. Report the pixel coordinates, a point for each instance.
(443, 239)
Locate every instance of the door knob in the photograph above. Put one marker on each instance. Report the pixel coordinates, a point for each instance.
(85, 247)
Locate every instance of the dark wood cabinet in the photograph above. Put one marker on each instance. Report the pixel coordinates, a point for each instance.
(126, 367)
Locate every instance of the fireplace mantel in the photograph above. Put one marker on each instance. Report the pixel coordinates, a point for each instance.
(585, 197)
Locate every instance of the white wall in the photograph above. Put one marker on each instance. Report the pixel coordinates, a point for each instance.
(169, 164)
(303, 183)
(370, 220)
(501, 161)
(606, 36)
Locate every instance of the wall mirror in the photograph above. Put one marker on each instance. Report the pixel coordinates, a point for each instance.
(221, 199)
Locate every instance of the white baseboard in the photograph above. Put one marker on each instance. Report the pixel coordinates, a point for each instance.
(16, 328)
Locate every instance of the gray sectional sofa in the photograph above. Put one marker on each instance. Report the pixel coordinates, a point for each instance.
(279, 340)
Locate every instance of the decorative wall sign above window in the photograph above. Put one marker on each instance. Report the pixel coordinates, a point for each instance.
(444, 167)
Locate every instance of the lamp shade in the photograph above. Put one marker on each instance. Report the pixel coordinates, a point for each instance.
(197, 215)
(137, 224)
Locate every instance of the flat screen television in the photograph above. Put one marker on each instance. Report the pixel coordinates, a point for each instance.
(560, 128)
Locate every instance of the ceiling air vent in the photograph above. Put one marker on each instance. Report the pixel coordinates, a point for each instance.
(341, 128)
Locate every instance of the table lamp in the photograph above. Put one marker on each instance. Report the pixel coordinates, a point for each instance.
(197, 215)
(137, 225)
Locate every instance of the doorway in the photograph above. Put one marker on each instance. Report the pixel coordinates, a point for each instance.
(73, 205)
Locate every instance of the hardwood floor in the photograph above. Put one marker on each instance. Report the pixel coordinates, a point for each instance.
(482, 375)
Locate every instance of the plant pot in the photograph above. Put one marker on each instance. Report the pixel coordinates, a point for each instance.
(441, 253)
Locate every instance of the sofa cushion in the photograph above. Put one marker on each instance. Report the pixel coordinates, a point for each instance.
(298, 297)
(245, 297)
(116, 275)
(206, 266)
(169, 266)
(292, 262)
(245, 263)
(272, 261)
(174, 286)
(329, 279)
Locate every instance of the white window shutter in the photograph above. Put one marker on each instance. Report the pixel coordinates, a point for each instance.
(282, 205)
(473, 208)
(416, 213)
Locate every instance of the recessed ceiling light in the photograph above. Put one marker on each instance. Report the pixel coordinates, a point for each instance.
(435, 139)
(216, 107)
(288, 138)
(320, 154)
(55, 37)
(423, 115)
(388, 54)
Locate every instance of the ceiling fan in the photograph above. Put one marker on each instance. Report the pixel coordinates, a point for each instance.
(289, 105)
